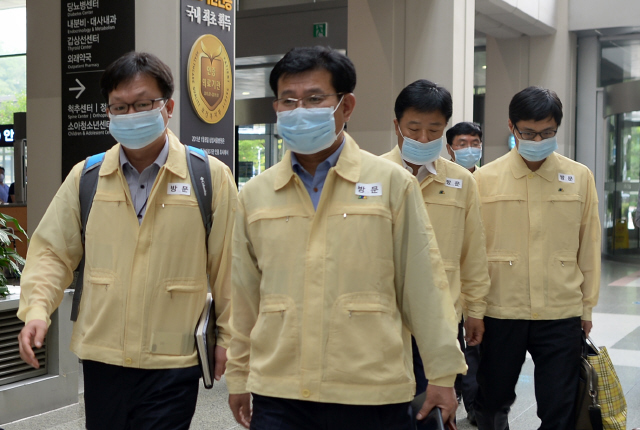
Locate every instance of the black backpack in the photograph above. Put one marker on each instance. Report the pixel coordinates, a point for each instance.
(198, 163)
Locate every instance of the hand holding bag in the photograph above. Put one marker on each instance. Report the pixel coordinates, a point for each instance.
(588, 410)
(610, 395)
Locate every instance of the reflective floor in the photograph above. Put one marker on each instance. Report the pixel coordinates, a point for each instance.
(616, 325)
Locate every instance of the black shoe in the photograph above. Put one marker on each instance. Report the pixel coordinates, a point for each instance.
(471, 417)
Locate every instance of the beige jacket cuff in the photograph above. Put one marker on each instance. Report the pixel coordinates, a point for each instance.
(475, 310)
(223, 340)
(37, 313)
(586, 314)
(236, 385)
(445, 381)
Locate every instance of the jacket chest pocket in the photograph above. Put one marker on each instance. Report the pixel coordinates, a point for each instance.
(353, 354)
(355, 231)
(277, 234)
(564, 215)
(174, 309)
(177, 212)
(108, 210)
(358, 248)
(502, 215)
(447, 216)
(275, 343)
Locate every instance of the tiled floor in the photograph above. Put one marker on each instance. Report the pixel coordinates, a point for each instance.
(616, 325)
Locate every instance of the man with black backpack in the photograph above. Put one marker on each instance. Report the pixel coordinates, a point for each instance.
(148, 246)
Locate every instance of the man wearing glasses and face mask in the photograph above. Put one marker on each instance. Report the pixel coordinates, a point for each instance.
(334, 266)
(450, 195)
(464, 144)
(142, 298)
(540, 212)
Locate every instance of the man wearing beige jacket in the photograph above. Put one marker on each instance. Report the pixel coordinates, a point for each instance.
(142, 297)
(450, 194)
(335, 265)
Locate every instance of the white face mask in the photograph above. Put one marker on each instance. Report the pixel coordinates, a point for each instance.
(420, 153)
(537, 151)
(308, 130)
(137, 130)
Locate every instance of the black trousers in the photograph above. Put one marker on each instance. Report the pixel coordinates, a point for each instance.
(119, 398)
(555, 347)
(467, 384)
(271, 413)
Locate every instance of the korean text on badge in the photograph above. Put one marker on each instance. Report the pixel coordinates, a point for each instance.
(369, 189)
(179, 189)
(563, 177)
(453, 183)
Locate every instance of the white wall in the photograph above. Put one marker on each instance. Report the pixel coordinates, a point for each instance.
(392, 44)
(593, 14)
(44, 106)
(514, 64)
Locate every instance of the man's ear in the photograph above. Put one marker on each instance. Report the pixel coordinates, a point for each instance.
(396, 127)
(349, 103)
(170, 105)
(451, 153)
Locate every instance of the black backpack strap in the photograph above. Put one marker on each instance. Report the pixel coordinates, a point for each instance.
(198, 163)
(86, 192)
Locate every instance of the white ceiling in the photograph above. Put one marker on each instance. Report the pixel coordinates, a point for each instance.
(9, 4)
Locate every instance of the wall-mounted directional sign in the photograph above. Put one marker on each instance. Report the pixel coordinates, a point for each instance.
(94, 34)
(7, 135)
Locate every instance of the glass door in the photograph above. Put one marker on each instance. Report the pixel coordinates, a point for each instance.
(622, 237)
(258, 149)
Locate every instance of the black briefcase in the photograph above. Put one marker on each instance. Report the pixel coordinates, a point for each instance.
(434, 416)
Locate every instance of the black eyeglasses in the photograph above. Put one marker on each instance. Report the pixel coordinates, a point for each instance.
(139, 106)
(530, 135)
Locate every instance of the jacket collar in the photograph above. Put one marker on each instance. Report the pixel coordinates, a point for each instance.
(176, 160)
(520, 169)
(348, 166)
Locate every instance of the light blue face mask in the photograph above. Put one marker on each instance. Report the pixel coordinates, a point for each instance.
(537, 151)
(137, 130)
(308, 131)
(420, 153)
(467, 157)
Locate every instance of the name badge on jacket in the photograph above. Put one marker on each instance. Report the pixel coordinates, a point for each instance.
(453, 183)
(179, 189)
(369, 189)
(563, 177)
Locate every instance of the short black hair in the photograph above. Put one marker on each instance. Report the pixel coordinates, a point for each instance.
(131, 64)
(535, 104)
(424, 96)
(470, 128)
(300, 60)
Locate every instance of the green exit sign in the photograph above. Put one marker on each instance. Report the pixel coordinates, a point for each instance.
(320, 29)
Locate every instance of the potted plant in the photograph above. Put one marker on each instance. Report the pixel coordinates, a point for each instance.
(10, 261)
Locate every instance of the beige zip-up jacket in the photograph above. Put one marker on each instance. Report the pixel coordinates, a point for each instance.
(453, 204)
(324, 302)
(144, 284)
(543, 238)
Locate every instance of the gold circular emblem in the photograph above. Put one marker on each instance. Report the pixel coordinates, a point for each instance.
(209, 74)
